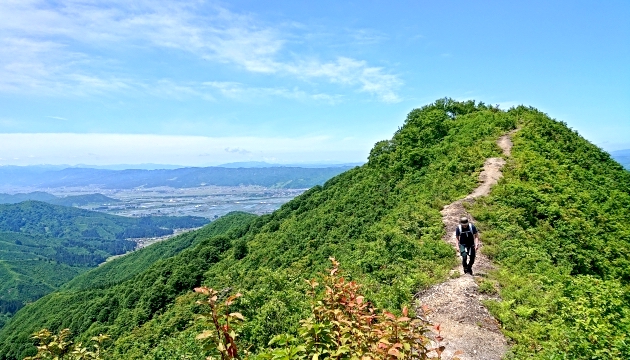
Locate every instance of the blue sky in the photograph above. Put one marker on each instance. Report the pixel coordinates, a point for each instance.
(208, 82)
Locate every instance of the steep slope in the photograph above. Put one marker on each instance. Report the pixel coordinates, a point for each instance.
(381, 221)
(128, 266)
(43, 246)
(555, 224)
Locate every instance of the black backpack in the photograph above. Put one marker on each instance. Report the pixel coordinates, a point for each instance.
(470, 230)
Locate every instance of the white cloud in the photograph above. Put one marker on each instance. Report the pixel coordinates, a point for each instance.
(102, 149)
(242, 92)
(39, 44)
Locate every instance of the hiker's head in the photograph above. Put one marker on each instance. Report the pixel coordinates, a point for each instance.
(463, 221)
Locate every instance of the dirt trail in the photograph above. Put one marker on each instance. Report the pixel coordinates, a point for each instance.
(456, 305)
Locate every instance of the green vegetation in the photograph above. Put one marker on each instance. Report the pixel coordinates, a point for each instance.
(43, 246)
(557, 223)
(381, 221)
(126, 267)
(42, 219)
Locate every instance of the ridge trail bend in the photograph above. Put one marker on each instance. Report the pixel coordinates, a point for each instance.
(456, 305)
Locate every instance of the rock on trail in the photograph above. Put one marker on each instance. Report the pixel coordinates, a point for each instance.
(456, 305)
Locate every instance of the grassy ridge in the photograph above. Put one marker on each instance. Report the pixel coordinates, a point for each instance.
(381, 221)
(557, 223)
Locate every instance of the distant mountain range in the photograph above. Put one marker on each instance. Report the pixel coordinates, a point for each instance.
(262, 164)
(623, 157)
(273, 176)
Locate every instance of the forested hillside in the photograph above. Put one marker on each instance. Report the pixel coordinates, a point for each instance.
(42, 219)
(126, 267)
(556, 224)
(42, 246)
(381, 221)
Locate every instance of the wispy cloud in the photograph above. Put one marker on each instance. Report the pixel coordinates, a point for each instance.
(237, 151)
(57, 118)
(48, 47)
(242, 92)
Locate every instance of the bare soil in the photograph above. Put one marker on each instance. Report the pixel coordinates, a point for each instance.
(456, 305)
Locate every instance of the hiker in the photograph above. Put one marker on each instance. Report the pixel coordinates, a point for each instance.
(467, 242)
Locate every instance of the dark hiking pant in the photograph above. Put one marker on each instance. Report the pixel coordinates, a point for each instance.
(468, 253)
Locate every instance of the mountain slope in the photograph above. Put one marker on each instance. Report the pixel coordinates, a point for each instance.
(128, 266)
(42, 246)
(555, 223)
(43, 219)
(381, 220)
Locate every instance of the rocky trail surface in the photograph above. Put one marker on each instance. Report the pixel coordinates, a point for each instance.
(467, 329)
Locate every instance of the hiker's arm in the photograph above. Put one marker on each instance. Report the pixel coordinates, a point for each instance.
(457, 238)
(476, 241)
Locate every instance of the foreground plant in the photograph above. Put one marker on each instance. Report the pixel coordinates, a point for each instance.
(221, 338)
(60, 347)
(343, 325)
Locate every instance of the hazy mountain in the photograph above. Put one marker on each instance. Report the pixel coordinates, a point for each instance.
(262, 164)
(35, 195)
(623, 157)
(73, 200)
(82, 200)
(279, 177)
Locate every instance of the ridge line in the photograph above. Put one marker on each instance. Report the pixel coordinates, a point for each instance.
(456, 305)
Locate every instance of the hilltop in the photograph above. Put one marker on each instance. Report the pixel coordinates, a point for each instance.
(554, 225)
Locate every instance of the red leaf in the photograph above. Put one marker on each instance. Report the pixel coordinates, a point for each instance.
(389, 315)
